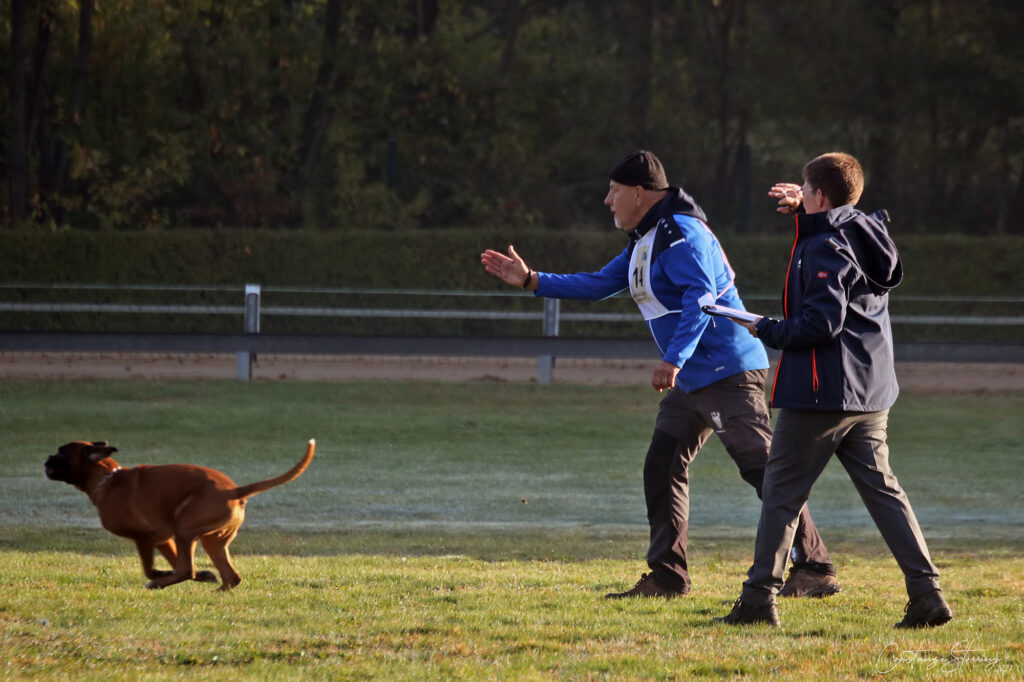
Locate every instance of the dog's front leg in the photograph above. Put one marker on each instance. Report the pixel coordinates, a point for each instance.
(184, 566)
(145, 549)
(170, 552)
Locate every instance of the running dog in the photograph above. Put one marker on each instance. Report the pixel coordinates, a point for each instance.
(166, 508)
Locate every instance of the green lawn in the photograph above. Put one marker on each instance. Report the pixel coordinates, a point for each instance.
(471, 530)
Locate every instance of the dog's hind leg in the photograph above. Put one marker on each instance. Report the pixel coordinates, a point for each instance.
(170, 553)
(216, 546)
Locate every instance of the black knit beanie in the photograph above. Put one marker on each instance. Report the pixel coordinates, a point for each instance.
(640, 169)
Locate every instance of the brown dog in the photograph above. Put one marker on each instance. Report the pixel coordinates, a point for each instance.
(166, 507)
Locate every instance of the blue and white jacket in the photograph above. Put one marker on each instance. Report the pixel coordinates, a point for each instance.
(671, 261)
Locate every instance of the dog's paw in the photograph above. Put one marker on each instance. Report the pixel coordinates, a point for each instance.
(152, 585)
(206, 577)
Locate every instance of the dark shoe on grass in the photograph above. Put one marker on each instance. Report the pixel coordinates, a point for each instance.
(803, 582)
(749, 614)
(647, 586)
(926, 611)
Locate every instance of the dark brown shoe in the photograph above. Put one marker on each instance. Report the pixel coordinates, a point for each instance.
(647, 586)
(803, 582)
(926, 611)
(748, 614)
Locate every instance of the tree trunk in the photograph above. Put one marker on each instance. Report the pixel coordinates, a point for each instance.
(17, 145)
(40, 123)
(1015, 210)
(642, 17)
(884, 114)
(86, 9)
(319, 112)
(488, 122)
(725, 17)
(424, 15)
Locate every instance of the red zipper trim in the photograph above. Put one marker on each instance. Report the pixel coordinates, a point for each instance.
(785, 297)
(792, 251)
(814, 369)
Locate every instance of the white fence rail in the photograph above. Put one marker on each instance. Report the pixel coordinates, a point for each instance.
(430, 313)
(250, 310)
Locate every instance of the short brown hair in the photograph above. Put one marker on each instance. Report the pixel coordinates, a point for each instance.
(838, 176)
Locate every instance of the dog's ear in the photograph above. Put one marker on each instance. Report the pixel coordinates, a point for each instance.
(98, 450)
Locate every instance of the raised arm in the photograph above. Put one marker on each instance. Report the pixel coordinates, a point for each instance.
(789, 196)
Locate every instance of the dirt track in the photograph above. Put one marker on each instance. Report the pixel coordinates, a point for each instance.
(927, 377)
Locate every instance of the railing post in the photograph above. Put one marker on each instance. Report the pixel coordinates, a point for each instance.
(546, 363)
(244, 359)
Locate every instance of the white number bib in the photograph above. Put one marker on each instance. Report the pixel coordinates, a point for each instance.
(640, 278)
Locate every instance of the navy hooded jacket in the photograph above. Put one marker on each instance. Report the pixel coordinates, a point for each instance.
(836, 338)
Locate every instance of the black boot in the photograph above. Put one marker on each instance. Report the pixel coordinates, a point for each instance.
(926, 611)
(648, 587)
(749, 614)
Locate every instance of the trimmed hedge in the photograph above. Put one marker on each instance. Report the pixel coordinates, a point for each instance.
(449, 259)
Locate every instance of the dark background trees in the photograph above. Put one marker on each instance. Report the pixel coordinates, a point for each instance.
(356, 114)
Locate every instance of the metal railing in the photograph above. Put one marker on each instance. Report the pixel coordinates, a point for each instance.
(442, 313)
(250, 309)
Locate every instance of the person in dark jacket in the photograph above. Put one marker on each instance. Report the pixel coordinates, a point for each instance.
(713, 371)
(834, 386)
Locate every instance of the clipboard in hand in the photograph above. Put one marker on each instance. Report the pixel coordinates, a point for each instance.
(707, 304)
(731, 313)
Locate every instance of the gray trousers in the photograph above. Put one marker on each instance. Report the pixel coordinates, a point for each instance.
(802, 444)
(736, 410)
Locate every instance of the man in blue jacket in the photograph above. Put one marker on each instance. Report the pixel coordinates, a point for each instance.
(714, 372)
(835, 383)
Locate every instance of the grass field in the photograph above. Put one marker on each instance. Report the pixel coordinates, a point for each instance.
(470, 531)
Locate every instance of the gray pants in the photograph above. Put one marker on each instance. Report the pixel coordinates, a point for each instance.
(735, 409)
(802, 444)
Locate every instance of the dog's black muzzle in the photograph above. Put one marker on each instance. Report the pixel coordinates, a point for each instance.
(56, 468)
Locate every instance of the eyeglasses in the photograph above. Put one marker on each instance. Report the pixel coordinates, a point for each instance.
(799, 192)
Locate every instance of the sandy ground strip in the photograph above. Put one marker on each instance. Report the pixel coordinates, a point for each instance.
(913, 376)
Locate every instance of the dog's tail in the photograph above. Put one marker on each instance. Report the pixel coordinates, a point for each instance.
(290, 475)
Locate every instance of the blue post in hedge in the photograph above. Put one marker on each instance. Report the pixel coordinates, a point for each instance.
(244, 359)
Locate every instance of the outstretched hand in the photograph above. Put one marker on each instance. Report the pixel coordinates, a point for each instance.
(510, 269)
(789, 196)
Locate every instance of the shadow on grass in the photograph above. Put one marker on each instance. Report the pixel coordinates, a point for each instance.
(541, 544)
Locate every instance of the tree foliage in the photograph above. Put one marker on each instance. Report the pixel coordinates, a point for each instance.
(147, 114)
